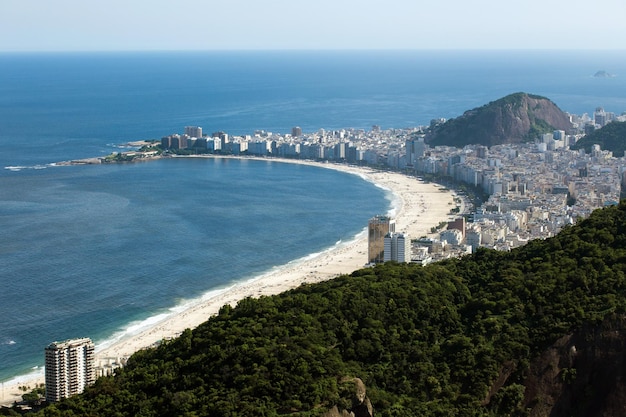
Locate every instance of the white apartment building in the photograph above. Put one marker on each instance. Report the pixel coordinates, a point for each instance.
(451, 236)
(69, 368)
(397, 247)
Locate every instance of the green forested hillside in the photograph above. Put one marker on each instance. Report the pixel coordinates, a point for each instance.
(453, 338)
(611, 137)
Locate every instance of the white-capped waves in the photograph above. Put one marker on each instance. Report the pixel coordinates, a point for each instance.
(17, 168)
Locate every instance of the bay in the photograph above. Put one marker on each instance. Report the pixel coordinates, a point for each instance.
(92, 251)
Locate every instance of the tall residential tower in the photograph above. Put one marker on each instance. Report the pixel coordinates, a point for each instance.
(378, 228)
(69, 368)
(397, 247)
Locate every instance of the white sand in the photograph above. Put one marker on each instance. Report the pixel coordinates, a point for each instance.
(421, 207)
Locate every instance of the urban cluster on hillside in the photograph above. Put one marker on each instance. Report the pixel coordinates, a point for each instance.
(533, 189)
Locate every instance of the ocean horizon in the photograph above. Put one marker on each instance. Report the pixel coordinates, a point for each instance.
(105, 251)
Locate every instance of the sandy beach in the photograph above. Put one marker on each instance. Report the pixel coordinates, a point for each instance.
(420, 206)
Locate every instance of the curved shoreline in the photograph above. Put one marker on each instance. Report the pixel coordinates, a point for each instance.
(420, 206)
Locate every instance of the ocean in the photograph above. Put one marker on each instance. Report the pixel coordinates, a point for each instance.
(102, 251)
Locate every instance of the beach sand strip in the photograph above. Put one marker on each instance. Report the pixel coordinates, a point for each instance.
(420, 207)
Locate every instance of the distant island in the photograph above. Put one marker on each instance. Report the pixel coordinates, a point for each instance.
(603, 74)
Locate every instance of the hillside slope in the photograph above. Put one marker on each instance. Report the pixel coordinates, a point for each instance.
(581, 374)
(515, 118)
(611, 137)
(463, 337)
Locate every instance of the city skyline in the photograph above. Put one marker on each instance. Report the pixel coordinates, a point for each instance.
(70, 25)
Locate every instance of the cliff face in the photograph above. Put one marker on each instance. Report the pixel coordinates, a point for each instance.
(515, 118)
(582, 374)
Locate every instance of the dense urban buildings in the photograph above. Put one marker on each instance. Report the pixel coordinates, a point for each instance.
(533, 189)
(193, 131)
(69, 368)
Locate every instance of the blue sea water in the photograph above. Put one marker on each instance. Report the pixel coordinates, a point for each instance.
(95, 250)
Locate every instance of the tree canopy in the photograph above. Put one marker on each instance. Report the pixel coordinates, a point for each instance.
(451, 338)
(611, 137)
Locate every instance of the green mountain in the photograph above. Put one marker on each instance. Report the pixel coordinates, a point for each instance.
(611, 137)
(537, 331)
(516, 118)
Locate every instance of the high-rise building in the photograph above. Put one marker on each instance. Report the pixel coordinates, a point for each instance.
(415, 148)
(599, 117)
(558, 135)
(403, 248)
(397, 247)
(341, 150)
(193, 131)
(69, 368)
(378, 228)
(296, 131)
(223, 138)
(459, 224)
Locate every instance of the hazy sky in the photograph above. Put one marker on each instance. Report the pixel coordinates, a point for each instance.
(53, 25)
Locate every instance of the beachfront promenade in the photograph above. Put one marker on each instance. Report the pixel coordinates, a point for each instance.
(419, 206)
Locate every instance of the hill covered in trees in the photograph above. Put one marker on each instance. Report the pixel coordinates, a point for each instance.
(537, 331)
(611, 137)
(516, 118)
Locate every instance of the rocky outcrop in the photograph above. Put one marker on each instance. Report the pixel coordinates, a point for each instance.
(360, 404)
(515, 118)
(582, 374)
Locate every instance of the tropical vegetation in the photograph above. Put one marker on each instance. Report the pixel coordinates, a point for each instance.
(452, 338)
(611, 137)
